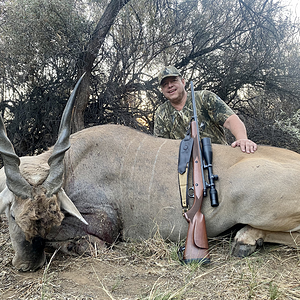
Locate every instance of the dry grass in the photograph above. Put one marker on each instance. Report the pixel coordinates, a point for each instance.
(150, 270)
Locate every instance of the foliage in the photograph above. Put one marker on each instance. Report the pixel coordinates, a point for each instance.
(40, 41)
(245, 51)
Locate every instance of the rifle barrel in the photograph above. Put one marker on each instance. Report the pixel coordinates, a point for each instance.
(198, 135)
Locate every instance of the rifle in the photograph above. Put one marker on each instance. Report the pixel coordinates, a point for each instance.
(196, 246)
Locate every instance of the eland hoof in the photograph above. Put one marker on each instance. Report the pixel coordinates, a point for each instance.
(242, 250)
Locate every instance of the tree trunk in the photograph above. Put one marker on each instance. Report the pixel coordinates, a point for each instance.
(86, 61)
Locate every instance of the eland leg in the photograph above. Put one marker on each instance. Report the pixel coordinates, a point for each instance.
(85, 245)
(248, 239)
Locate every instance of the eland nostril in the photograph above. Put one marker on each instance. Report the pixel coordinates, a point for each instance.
(21, 266)
(29, 266)
(24, 267)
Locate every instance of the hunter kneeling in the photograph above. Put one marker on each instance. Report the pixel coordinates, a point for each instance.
(178, 119)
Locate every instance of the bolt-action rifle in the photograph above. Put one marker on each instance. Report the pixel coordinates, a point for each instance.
(196, 246)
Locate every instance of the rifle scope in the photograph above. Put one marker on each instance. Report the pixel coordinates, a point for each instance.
(207, 154)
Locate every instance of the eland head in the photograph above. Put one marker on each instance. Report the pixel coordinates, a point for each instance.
(34, 207)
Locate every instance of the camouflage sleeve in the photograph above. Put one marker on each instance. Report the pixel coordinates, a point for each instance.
(160, 125)
(218, 110)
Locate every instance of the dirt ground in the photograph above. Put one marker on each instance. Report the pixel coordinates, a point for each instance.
(151, 270)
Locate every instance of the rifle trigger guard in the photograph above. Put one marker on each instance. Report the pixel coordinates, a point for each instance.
(191, 195)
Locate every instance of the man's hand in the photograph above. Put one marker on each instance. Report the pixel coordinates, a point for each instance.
(238, 129)
(246, 145)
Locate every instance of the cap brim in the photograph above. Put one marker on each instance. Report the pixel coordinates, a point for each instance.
(168, 75)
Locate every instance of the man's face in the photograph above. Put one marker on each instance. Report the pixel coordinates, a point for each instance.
(173, 89)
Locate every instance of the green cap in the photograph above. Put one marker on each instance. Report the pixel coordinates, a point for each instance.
(168, 71)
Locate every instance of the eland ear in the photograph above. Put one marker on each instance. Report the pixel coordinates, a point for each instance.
(68, 205)
(6, 197)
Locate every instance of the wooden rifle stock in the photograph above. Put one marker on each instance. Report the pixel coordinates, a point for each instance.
(196, 246)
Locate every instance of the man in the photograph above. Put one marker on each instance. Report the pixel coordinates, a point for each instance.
(172, 118)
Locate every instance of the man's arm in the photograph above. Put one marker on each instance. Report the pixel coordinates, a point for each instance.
(238, 129)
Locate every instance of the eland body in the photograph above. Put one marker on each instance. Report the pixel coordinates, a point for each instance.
(109, 182)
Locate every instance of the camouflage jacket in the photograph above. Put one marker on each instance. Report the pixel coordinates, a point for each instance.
(212, 112)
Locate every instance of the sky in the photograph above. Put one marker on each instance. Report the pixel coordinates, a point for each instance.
(295, 6)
